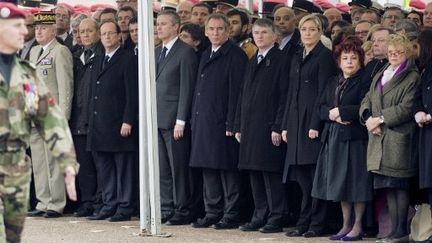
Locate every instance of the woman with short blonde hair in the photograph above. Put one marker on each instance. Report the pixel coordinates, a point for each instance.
(388, 113)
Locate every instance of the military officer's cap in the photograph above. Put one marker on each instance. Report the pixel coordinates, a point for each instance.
(306, 6)
(361, 3)
(211, 3)
(229, 3)
(10, 11)
(45, 17)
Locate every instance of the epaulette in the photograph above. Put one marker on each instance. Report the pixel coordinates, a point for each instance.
(248, 40)
(27, 63)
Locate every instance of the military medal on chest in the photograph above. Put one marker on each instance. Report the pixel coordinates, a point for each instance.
(31, 98)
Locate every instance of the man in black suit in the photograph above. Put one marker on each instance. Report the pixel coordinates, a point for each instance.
(112, 135)
(78, 123)
(63, 19)
(175, 75)
(214, 148)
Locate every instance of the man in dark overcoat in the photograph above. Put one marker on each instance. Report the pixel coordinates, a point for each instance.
(214, 147)
(78, 123)
(113, 124)
(258, 129)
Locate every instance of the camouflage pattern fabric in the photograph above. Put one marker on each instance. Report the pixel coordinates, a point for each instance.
(25, 100)
(14, 191)
(249, 48)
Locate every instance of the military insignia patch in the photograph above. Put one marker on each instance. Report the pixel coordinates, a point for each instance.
(31, 98)
(5, 12)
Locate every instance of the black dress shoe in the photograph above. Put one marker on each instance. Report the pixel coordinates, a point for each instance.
(311, 234)
(100, 216)
(52, 214)
(179, 220)
(205, 222)
(251, 226)
(165, 217)
(295, 232)
(83, 212)
(118, 217)
(269, 228)
(226, 224)
(36, 213)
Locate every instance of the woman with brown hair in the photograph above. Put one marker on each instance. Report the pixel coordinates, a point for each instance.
(341, 174)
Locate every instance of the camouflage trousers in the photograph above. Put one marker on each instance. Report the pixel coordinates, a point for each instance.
(14, 192)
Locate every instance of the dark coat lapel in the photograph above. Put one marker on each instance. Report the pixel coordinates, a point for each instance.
(171, 53)
(112, 61)
(223, 50)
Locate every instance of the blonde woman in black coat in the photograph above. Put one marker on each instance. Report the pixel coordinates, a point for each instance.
(311, 67)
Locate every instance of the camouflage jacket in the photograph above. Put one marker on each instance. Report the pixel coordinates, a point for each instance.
(24, 100)
(248, 47)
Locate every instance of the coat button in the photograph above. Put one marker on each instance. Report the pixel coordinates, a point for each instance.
(95, 112)
(425, 106)
(428, 88)
(97, 82)
(197, 113)
(199, 94)
(95, 97)
(78, 131)
(202, 75)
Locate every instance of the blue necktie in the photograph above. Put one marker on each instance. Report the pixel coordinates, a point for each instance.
(161, 57)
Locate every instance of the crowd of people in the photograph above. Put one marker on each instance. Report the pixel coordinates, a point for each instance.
(263, 123)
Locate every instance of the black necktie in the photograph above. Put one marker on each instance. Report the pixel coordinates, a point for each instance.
(212, 54)
(260, 57)
(161, 57)
(87, 54)
(105, 62)
(40, 53)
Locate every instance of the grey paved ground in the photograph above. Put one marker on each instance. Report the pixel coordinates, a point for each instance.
(69, 229)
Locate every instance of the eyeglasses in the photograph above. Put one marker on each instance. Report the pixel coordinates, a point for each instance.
(395, 53)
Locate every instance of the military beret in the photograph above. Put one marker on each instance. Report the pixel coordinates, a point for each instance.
(343, 7)
(306, 6)
(10, 11)
(9, 1)
(230, 3)
(361, 3)
(45, 17)
(417, 4)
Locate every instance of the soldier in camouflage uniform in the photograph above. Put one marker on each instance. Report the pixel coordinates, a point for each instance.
(25, 99)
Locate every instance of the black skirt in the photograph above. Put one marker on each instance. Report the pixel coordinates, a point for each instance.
(341, 173)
